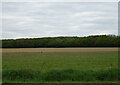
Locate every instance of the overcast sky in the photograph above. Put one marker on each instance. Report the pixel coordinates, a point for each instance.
(37, 19)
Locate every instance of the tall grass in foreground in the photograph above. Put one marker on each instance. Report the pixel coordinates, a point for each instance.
(26, 76)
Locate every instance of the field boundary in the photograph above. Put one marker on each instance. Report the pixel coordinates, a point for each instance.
(59, 49)
(67, 84)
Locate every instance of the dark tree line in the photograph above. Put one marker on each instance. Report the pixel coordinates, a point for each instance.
(89, 41)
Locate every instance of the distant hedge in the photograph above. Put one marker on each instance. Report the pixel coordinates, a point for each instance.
(89, 41)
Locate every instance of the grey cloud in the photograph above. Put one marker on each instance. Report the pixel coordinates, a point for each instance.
(31, 19)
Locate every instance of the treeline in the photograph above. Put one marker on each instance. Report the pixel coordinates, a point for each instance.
(89, 41)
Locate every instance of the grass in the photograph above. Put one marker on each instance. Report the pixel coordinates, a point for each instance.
(60, 67)
(60, 75)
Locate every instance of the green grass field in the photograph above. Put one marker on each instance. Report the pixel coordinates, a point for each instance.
(42, 67)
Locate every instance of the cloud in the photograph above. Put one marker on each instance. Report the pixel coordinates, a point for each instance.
(31, 19)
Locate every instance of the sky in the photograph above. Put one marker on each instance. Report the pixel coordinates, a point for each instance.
(50, 19)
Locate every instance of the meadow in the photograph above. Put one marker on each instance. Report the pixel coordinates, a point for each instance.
(66, 65)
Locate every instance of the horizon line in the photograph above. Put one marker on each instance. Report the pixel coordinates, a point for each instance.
(57, 36)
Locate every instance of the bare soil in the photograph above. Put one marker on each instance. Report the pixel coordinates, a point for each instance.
(57, 49)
